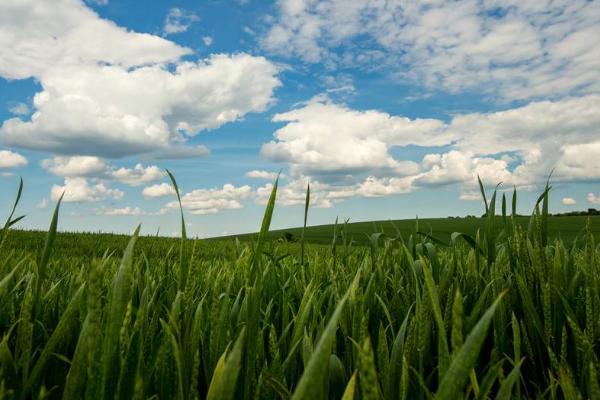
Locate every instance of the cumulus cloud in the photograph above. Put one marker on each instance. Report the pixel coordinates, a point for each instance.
(158, 190)
(378, 187)
(368, 149)
(323, 137)
(10, 159)
(79, 190)
(120, 212)
(38, 37)
(293, 193)
(139, 175)
(179, 20)
(211, 201)
(458, 167)
(75, 166)
(517, 49)
(257, 174)
(91, 166)
(124, 92)
(568, 201)
(592, 198)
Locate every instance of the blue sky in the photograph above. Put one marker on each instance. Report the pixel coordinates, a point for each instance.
(386, 108)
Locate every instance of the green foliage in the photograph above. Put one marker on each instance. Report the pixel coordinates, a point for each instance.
(506, 310)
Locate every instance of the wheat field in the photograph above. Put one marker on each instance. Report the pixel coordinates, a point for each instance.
(505, 313)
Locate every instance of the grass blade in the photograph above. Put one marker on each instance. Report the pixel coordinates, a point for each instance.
(224, 379)
(311, 382)
(466, 357)
(183, 259)
(306, 205)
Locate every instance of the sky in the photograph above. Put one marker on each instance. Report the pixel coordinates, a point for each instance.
(389, 109)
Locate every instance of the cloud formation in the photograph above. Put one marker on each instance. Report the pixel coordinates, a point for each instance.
(158, 190)
(515, 49)
(178, 20)
(293, 193)
(368, 149)
(257, 174)
(79, 190)
(592, 198)
(10, 159)
(323, 137)
(124, 92)
(138, 175)
(82, 166)
(211, 201)
(91, 166)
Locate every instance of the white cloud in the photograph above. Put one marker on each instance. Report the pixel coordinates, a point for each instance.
(75, 166)
(262, 175)
(338, 145)
(207, 40)
(211, 201)
(592, 198)
(458, 167)
(120, 212)
(139, 175)
(90, 166)
(79, 190)
(569, 201)
(36, 37)
(43, 203)
(179, 20)
(158, 190)
(518, 49)
(10, 159)
(580, 161)
(378, 187)
(294, 193)
(124, 92)
(322, 137)
(19, 109)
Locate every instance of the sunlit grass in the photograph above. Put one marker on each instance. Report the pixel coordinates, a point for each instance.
(506, 312)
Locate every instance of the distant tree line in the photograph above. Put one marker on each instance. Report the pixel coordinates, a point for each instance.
(590, 211)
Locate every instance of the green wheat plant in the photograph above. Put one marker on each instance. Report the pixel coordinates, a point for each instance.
(506, 313)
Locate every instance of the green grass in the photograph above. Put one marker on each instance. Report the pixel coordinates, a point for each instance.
(509, 311)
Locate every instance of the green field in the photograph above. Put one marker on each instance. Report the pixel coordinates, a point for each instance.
(511, 312)
(566, 228)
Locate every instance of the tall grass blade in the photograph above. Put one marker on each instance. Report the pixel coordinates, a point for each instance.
(311, 382)
(120, 294)
(10, 221)
(224, 379)
(466, 357)
(350, 388)
(183, 259)
(264, 228)
(506, 387)
(58, 335)
(306, 205)
(482, 190)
